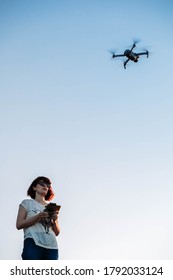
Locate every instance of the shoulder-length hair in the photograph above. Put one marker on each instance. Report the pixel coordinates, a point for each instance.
(31, 192)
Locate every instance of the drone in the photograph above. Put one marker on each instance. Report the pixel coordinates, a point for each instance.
(131, 55)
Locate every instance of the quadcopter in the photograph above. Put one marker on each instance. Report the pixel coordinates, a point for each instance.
(130, 55)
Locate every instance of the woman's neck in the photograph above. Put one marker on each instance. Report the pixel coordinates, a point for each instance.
(40, 199)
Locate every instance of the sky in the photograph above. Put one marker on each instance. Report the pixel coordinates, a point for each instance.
(102, 134)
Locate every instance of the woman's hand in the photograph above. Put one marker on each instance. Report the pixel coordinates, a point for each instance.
(54, 216)
(42, 215)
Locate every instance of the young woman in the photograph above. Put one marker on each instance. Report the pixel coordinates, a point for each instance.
(39, 241)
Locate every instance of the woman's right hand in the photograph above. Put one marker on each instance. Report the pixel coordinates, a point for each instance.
(42, 215)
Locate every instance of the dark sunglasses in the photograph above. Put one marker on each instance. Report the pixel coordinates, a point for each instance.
(43, 184)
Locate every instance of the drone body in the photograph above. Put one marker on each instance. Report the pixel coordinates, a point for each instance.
(131, 55)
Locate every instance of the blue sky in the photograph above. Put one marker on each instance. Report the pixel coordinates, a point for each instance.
(101, 133)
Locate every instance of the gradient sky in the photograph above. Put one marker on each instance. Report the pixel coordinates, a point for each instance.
(101, 133)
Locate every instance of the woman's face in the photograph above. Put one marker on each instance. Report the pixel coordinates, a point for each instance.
(42, 187)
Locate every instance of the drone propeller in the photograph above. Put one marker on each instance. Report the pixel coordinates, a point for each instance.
(136, 40)
(113, 52)
(148, 49)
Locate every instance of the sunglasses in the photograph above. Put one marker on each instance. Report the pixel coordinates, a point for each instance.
(44, 184)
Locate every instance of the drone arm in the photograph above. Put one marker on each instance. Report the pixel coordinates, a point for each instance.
(142, 53)
(117, 55)
(134, 45)
(126, 63)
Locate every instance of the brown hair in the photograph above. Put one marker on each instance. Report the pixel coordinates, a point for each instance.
(31, 192)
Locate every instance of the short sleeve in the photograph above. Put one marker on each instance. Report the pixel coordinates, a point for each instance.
(24, 203)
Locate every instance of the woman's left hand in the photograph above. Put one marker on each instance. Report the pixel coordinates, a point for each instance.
(54, 216)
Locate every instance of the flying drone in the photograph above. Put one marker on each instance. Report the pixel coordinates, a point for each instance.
(131, 55)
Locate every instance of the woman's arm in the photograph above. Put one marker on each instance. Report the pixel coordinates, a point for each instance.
(22, 222)
(55, 224)
(56, 228)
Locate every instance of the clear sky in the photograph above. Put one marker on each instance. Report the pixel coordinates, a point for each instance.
(101, 133)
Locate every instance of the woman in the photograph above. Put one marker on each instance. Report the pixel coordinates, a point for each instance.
(39, 242)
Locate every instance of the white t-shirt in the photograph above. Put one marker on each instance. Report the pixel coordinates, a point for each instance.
(41, 236)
